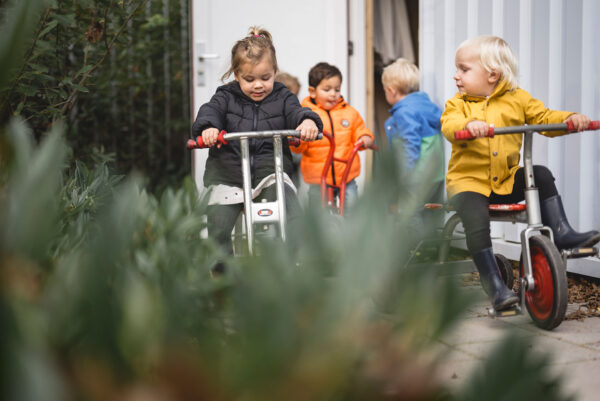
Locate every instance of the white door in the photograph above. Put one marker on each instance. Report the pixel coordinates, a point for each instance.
(304, 33)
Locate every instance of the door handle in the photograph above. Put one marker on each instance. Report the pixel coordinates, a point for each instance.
(205, 56)
(202, 56)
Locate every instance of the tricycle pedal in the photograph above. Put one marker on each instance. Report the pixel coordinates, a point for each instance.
(579, 252)
(512, 311)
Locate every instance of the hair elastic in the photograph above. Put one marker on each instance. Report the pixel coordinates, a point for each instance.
(256, 35)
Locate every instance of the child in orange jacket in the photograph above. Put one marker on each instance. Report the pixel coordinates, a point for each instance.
(340, 120)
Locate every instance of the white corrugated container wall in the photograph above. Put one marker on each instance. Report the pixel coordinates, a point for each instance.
(557, 45)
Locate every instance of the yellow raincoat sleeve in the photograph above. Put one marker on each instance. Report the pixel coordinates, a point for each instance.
(454, 118)
(537, 113)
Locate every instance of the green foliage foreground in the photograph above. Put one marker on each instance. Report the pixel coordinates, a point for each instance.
(106, 294)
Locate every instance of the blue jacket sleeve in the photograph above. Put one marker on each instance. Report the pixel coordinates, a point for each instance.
(405, 127)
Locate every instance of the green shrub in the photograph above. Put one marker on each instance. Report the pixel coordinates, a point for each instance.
(106, 293)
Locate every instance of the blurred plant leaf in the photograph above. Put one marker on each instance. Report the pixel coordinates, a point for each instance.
(16, 29)
(512, 371)
(29, 212)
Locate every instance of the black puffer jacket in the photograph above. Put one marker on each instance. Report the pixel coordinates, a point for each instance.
(230, 110)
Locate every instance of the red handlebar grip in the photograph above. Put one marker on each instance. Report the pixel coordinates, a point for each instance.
(221, 139)
(594, 125)
(199, 142)
(191, 144)
(465, 134)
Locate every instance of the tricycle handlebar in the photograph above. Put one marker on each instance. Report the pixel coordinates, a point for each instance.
(568, 126)
(225, 137)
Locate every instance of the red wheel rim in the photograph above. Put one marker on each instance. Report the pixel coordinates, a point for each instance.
(541, 299)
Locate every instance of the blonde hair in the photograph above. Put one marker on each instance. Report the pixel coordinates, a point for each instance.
(290, 81)
(251, 49)
(495, 55)
(402, 75)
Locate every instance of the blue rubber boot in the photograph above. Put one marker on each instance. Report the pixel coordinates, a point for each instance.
(565, 237)
(501, 297)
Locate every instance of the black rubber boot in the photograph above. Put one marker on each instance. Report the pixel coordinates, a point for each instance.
(491, 280)
(565, 237)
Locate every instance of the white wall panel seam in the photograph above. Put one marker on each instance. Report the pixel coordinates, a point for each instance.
(524, 55)
(555, 85)
(449, 44)
(449, 89)
(498, 18)
(472, 13)
(427, 50)
(586, 140)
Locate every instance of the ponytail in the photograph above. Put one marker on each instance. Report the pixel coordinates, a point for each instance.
(252, 48)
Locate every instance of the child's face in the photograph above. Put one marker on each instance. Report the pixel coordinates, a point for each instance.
(256, 80)
(328, 93)
(471, 78)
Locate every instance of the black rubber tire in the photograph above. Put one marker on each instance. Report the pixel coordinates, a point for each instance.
(547, 302)
(506, 270)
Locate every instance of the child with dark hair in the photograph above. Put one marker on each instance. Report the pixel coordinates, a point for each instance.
(340, 120)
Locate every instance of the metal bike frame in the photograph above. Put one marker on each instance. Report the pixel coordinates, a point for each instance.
(327, 191)
(532, 199)
(251, 209)
(262, 212)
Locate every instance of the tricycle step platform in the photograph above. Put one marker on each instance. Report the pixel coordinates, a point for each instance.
(512, 311)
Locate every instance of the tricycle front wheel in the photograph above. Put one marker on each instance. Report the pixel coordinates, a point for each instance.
(547, 302)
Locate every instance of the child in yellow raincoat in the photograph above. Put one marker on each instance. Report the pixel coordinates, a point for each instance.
(486, 170)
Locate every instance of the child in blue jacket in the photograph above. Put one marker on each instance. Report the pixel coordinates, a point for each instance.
(413, 130)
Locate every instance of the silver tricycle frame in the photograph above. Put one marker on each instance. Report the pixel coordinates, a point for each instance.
(546, 304)
(532, 216)
(259, 212)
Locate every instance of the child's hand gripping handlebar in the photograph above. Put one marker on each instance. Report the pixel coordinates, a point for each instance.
(568, 126)
(225, 137)
(199, 142)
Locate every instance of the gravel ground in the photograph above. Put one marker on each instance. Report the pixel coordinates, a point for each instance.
(584, 292)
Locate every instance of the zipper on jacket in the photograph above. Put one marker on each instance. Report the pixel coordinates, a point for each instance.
(252, 144)
(333, 136)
